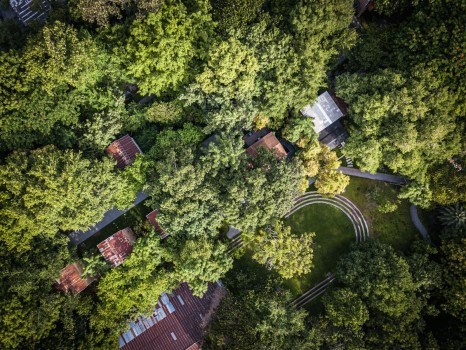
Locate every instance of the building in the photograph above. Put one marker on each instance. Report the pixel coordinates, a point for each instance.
(152, 218)
(326, 112)
(118, 246)
(30, 10)
(71, 280)
(124, 151)
(362, 5)
(266, 139)
(177, 323)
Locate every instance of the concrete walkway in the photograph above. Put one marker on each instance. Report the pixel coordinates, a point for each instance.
(395, 179)
(417, 222)
(78, 237)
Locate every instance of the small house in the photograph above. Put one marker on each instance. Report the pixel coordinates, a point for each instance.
(266, 139)
(118, 246)
(326, 112)
(124, 151)
(71, 279)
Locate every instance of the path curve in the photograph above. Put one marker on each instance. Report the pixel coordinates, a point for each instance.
(361, 231)
(417, 222)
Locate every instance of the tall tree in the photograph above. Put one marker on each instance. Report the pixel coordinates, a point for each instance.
(278, 249)
(47, 190)
(164, 47)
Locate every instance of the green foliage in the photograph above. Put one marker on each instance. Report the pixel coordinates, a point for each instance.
(288, 254)
(199, 261)
(256, 319)
(46, 191)
(235, 14)
(162, 47)
(453, 216)
(381, 301)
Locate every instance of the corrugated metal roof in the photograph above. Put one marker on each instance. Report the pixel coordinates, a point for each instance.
(118, 246)
(70, 278)
(180, 330)
(28, 12)
(324, 111)
(124, 150)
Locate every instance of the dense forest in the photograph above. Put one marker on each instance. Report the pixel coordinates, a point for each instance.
(172, 73)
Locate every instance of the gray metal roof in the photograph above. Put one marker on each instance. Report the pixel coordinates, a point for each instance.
(27, 14)
(324, 111)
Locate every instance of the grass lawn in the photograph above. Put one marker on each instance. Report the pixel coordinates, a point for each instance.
(334, 234)
(130, 218)
(393, 228)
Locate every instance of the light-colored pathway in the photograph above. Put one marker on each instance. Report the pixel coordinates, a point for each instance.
(395, 179)
(78, 237)
(417, 222)
(361, 231)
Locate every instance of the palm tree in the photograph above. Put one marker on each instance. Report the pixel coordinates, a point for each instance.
(454, 215)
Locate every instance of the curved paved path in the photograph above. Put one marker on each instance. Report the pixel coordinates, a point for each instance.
(361, 231)
(417, 222)
(361, 228)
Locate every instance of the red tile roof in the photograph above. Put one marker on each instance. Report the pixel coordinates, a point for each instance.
(152, 218)
(70, 278)
(118, 246)
(124, 150)
(269, 142)
(180, 329)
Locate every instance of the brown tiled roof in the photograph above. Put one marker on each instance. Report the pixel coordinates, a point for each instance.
(152, 218)
(70, 278)
(118, 246)
(124, 150)
(252, 137)
(269, 142)
(177, 324)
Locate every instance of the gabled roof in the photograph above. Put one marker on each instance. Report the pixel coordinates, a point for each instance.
(325, 111)
(27, 13)
(70, 278)
(118, 246)
(333, 135)
(265, 140)
(124, 150)
(152, 218)
(178, 321)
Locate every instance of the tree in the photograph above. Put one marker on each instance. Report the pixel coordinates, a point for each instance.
(47, 190)
(32, 309)
(235, 13)
(453, 216)
(163, 47)
(453, 249)
(226, 84)
(383, 283)
(199, 261)
(278, 249)
(260, 190)
(42, 88)
(132, 289)
(345, 309)
(256, 319)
